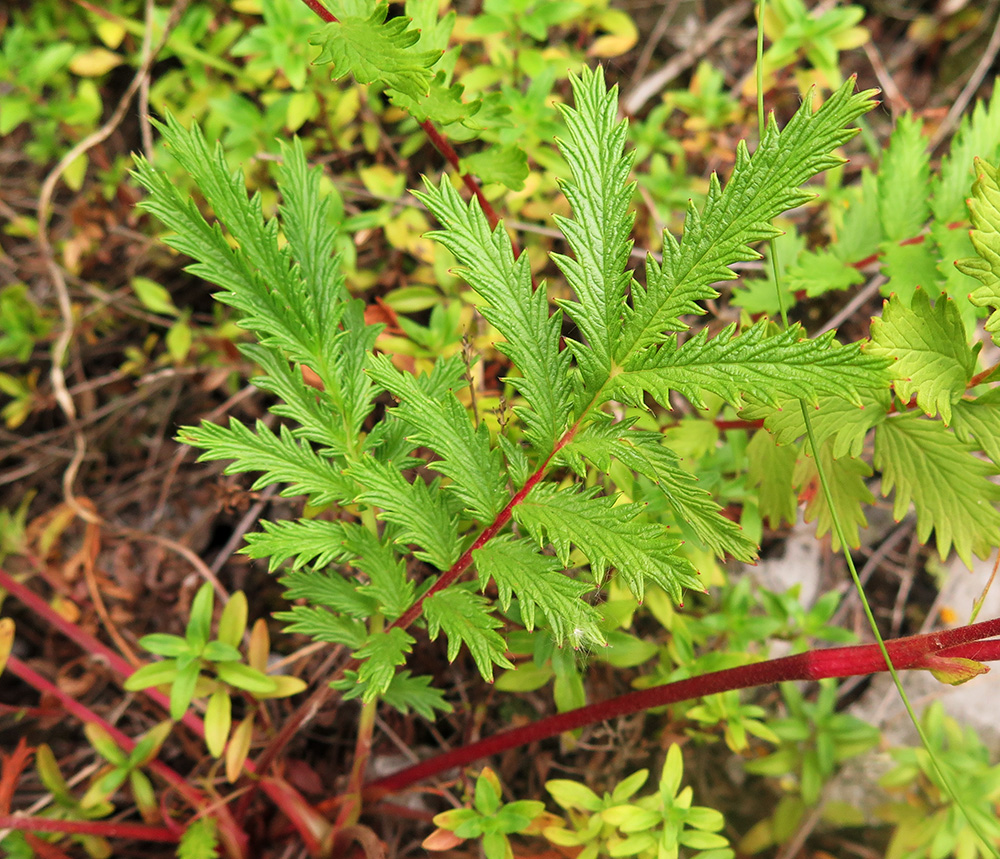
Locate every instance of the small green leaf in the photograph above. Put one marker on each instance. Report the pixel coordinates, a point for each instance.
(373, 49)
(233, 622)
(488, 796)
(149, 746)
(153, 296)
(244, 677)
(200, 621)
(218, 720)
(106, 747)
(153, 674)
(182, 690)
(217, 651)
(143, 794)
(164, 644)
(466, 619)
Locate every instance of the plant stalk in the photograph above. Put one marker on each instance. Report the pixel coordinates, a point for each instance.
(970, 642)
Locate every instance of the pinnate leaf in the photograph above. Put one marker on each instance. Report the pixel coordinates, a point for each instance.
(644, 453)
(280, 457)
(599, 234)
(418, 509)
(445, 426)
(518, 311)
(382, 654)
(609, 535)
(760, 188)
(518, 569)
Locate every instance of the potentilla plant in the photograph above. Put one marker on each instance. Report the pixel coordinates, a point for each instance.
(432, 493)
(427, 520)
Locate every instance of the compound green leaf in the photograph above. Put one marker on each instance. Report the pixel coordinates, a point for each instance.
(323, 625)
(834, 417)
(407, 693)
(375, 556)
(600, 232)
(307, 541)
(517, 310)
(418, 508)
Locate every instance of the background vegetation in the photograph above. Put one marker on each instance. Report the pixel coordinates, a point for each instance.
(117, 526)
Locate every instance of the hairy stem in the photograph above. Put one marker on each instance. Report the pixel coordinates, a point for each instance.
(100, 828)
(966, 642)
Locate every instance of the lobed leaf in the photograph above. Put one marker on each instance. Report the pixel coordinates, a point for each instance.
(948, 485)
(466, 618)
(373, 49)
(984, 207)
(927, 344)
(755, 364)
(609, 535)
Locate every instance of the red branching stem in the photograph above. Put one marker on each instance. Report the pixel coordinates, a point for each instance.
(503, 517)
(966, 642)
(87, 642)
(85, 714)
(102, 828)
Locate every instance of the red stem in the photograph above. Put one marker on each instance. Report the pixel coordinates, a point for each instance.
(291, 725)
(965, 642)
(85, 714)
(488, 533)
(88, 643)
(102, 828)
